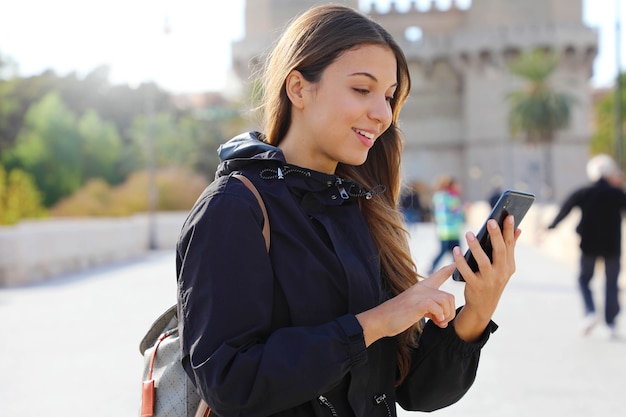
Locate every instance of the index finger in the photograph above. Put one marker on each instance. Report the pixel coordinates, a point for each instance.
(439, 277)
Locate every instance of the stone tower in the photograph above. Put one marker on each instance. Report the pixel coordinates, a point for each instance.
(455, 121)
(264, 21)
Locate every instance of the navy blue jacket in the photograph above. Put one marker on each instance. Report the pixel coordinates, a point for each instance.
(276, 334)
(600, 226)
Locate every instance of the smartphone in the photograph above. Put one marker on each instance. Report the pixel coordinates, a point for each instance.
(512, 202)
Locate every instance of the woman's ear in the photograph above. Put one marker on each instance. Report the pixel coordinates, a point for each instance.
(294, 87)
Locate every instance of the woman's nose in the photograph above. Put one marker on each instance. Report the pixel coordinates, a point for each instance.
(381, 111)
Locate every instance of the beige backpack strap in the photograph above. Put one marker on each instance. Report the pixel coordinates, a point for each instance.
(204, 410)
(266, 223)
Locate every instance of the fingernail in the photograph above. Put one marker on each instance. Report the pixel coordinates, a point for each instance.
(456, 250)
(510, 219)
(470, 236)
(492, 224)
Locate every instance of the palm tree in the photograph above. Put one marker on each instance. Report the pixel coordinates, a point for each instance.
(537, 111)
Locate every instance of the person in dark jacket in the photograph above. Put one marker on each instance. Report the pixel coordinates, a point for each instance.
(411, 204)
(601, 206)
(333, 320)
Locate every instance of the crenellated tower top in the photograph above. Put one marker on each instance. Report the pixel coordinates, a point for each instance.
(428, 31)
(425, 6)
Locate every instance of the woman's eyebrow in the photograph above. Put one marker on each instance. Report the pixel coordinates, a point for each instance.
(371, 76)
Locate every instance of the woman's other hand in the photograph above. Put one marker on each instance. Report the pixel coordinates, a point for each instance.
(423, 299)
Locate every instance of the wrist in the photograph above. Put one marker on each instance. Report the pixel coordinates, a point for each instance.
(371, 327)
(469, 324)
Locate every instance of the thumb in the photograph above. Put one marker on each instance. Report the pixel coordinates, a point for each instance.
(439, 277)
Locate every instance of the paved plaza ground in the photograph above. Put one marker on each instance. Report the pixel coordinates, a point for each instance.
(70, 346)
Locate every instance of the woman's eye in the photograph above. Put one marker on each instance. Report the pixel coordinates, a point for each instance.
(390, 99)
(361, 91)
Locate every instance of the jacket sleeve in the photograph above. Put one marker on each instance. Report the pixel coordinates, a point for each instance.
(240, 364)
(443, 368)
(572, 201)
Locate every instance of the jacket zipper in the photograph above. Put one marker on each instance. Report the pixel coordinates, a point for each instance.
(328, 404)
(382, 398)
(378, 399)
(342, 191)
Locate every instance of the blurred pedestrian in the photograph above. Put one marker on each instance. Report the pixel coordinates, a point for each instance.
(494, 196)
(411, 204)
(601, 204)
(496, 191)
(449, 217)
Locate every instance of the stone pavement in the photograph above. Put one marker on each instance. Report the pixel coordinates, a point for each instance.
(70, 346)
(537, 364)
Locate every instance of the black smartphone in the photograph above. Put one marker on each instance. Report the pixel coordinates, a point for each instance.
(512, 202)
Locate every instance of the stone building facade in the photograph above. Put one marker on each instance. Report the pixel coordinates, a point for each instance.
(455, 121)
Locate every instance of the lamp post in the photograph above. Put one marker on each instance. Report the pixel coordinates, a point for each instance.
(153, 196)
(153, 191)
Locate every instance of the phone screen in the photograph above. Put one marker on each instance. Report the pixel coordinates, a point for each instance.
(512, 202)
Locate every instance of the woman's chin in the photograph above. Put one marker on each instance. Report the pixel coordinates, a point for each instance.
(355, 161)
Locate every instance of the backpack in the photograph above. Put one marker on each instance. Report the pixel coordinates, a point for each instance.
(167, 391)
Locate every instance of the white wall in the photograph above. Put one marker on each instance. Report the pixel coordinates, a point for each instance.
(35, 251)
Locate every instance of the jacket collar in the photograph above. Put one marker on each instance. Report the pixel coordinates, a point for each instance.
(250, 149)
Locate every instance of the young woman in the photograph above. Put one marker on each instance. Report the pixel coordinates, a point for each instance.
(330, 321)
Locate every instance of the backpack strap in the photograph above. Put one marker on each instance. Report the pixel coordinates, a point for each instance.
(163, 323)
(148, 385)
(266, 223)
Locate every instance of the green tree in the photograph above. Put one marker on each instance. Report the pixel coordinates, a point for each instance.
(178, 190)
(101, 148)
(537, 111)
(119, 104)
(19, 197)
(49, 148)
(3, 192)
(67, 130)
(185, 141)
(17, 95)
(603, 139)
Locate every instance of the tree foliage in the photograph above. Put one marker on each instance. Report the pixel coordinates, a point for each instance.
(69, 132)
(118, 104)
(603, 139)
(537, 111)
(100, 149)
(185, 142)
(49, 147)
(178, 189)
(19, 198)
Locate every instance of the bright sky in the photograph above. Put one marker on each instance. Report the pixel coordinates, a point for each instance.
(79, 35)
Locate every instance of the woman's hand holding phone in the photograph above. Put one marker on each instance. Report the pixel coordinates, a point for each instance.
(512, 202)
(486, 268)
(484, 288)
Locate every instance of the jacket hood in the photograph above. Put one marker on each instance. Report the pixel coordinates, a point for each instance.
(250, 149)
(245, 149)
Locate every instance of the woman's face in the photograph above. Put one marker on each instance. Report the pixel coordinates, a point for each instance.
(339, 118)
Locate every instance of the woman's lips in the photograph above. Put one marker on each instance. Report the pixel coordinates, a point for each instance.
(366, 138)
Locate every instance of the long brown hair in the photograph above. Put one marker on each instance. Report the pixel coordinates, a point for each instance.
(311, 43)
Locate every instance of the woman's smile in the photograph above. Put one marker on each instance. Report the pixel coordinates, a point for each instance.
(366, 138)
